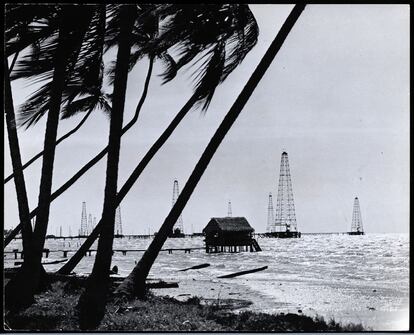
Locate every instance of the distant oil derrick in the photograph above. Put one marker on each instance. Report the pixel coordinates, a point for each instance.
(284, 224)
(270, 214)
(356, 226)
(178, 229)
(285, 219)
(229, 211)
(84, 223)
(118, 221)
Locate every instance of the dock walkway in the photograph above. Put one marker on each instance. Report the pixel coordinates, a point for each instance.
(46, 252)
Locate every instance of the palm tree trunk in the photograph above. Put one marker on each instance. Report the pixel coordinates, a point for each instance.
(16, 294)
(62, 138)
(80, 253)
(45, 188)
(134, 284)
(92, 302)
(94, 160)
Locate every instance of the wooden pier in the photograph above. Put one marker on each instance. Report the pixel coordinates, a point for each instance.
(124, 252)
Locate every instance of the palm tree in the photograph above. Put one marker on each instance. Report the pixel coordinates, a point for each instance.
(134, 284)
(241, 37)
(92, 300)
(14, 289)
(83, 76)
(56, 57)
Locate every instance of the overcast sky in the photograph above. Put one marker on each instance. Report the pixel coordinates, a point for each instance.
(336, 98)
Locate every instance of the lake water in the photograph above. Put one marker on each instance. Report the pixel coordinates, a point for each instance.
(360, 279)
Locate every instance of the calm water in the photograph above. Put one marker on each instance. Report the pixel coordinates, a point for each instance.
(350, 278)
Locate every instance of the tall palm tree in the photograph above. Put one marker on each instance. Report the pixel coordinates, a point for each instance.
(134, 284)
(56, 57)
(92, 300)
(239, 37)
(83, 76)
(14, 288)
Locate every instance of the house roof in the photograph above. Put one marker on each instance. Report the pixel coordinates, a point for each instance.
(229, 224)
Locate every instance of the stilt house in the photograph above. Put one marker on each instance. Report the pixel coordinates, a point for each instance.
(229, 234)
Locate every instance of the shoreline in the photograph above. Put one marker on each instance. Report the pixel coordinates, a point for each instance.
(160, 312)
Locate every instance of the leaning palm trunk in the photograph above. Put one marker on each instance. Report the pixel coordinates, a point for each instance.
(94, 160)
(16, 294)
(45, 189)
(134, 284)
(92, 301)
(76, 258)
(40, 154)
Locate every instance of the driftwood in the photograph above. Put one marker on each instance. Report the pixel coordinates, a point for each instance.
(201, 266)
(236, 274)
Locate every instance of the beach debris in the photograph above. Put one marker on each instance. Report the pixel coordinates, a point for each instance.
(200, 266)
(114, 270)
(236, 274)
(299, 311)
(371, 308)
(374, 290)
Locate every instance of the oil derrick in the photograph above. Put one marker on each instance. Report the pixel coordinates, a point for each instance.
(356, 226)
(178, 227)
(285, 219)
(270, 215)
(229, 211)
(118, 221)
(83, 228)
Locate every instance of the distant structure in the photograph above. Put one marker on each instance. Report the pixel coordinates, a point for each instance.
(229, 234)
(178, 230)
(270, 214)
(285, 219)
(229, 211)
(118, 222)
(356, 227)
(84, 223)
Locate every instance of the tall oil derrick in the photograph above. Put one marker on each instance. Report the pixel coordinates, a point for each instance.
(178, 227)
(285, 219)
(229, 211)
(94, 222)
(270, 215)
(356, 226)
(84, 223)
(118, 221)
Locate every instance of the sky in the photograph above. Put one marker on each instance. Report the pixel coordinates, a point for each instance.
(336, 99)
